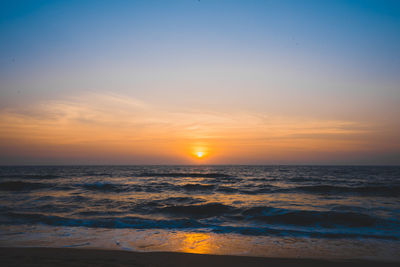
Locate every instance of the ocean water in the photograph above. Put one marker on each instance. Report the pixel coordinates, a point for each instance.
(331, 211)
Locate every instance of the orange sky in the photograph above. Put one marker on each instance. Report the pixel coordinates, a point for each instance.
(110, 128)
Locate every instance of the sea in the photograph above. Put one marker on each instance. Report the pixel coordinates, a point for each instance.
(345, 212)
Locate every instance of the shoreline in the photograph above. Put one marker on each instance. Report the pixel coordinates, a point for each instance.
(35, 256)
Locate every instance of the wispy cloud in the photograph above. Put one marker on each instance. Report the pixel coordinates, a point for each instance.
(125, 125)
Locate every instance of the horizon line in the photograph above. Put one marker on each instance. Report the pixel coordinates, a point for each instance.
(199, 165)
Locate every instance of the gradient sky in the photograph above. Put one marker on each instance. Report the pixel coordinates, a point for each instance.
(245, 82)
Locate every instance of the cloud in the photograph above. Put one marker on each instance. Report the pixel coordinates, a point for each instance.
(121, 125)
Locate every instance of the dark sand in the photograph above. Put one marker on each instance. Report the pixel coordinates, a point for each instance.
(93, 257)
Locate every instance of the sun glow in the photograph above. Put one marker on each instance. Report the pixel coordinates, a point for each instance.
(199, 154)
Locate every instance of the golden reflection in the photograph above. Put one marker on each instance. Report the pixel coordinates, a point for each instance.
(199, 243)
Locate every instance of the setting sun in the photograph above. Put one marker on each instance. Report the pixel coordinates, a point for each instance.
(199, 154)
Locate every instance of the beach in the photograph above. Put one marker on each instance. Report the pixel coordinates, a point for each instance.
(96, 257)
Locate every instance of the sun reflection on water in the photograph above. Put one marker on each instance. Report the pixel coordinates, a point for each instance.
(199, 243)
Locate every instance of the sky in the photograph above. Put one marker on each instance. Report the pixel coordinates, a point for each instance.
(243, 82)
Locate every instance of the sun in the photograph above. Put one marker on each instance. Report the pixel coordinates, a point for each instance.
(199, 154)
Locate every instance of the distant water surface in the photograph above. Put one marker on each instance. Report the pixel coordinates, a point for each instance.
(321, 203)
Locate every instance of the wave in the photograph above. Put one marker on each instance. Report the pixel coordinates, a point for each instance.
(198, 187)
(103, 222)
(392, 190)
(239, 199)
(270, 215)
(155, 187)
(226, 189)
(206, 188)
(259, 190)
(150, 187)
(184, 174)
(266, 231)
(151, 207)
(182, 224)
(300, 179)
(22, 186)
(30, 176)
(105, 187)
(101, 174)
(174, 201)
(197, 211)
(327, 219)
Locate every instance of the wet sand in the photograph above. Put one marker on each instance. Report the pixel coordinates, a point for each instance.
(96, 257)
